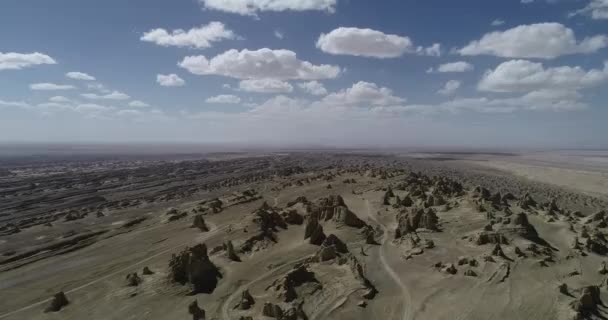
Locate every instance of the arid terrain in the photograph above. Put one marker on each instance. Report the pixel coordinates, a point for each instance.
(304, 235)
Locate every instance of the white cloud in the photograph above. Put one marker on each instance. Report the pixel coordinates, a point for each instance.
(524, 76)
(55, 106)
(98, 87)
(18, 104)
(497, 22)
(224, 98)
(450, 87)
(432, 51)
(79, 76)
(279, 35)
(542, 40)
(17, 61)
(365, 43)
(51, 86)
(265, 86)
(459, 66)
(252, 7)
(129, 113)
(92, 108)
(200, 38)
(114, 95)
(60, 99)
(259, 64)
(170, 80)
(313, 87)
(597, 9)
(138, 104)
(363, 94)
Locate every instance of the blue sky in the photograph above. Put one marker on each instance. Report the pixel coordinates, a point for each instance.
(314, 72)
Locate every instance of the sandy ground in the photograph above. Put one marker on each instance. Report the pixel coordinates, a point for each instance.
(409, 286)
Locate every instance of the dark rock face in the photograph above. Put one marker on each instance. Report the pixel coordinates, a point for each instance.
(286, 286)
(230, 252)
(334, 208)
(314, 232)
(292, 217)
(193, 267)
(246, 301)
(133, 280)
(272, 311)
(334, 241)
(588, 302)
(196, 312)
(146, 271)
(57, 303)
(199, 222)
(300, 199)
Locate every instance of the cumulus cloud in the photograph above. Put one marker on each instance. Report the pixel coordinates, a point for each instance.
(79, 76)
(315, 88)
(138, 104)
(252, 7)
(279, 35)
(364, 42)
(50, 86)
(170, 80)
(459, 66)
(525, 76)
(224, 98)
(497, 22)
(114, 95)
(199, 38)
(542, 40)
(259, 64)
(17, 61)
(98, 87)
(265, 86)
(432, 51)
(596, 9)
(363, 94)
(450, 87)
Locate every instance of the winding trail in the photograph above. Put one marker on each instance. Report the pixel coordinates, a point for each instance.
(407, 298)
(112, 274)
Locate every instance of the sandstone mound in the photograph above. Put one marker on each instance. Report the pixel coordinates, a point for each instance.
(196, 312)
(314, 232)
(588, 302)
(193, 267)
(57, 303)
(230, 252)
(334, 208)
(133, 280)
(246, 301)
(286, 286)
(410, 220)
(199, 222)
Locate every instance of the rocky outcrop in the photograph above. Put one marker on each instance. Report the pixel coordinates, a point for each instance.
(199, 222)
(272, 310)
(285, 287)
(146, 271)
(246, 301)
(196, 312)
(193, 267)
(486, 237)
(230, 252)
(334, 241)
(314, 232)
(58, 301)
(292, 217)
(588, 302)
(334, 208)
(412, 219)
(133, 280)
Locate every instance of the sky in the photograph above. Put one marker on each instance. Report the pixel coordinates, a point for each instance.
(350, 73)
